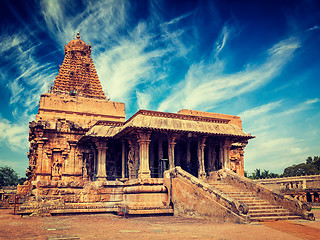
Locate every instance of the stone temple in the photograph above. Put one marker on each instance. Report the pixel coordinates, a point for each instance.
(85, 157)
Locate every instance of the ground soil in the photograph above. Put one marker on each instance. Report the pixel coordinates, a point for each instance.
(108, 226)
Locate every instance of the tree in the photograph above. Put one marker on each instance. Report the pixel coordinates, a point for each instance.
(311, 167)
(300, 170)
(8, 176)
(257, 174)
(265, 174)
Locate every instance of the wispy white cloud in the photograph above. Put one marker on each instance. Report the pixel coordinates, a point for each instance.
(299, 107)
(10, 42)
(124, 54)
(280, 141)
(316, 27)
(125, 66)
(206, 83)
(312, 101)
(143, 100)
(173, 36)
(221, 42)
(264, 109)
(14, 135)
(27, 77)
(103, 17)
(271, 151)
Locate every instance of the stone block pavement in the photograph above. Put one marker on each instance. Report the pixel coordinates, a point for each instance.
(109, 226)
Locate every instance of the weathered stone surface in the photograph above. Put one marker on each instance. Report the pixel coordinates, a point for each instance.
(302, 188)
(273, 196)
(77, 74)
(195, 198)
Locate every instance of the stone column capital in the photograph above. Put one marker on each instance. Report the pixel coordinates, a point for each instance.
(143, 135)
(101, 144)
(202, 142)
(102, 148)
(227, 143)
(141, 142)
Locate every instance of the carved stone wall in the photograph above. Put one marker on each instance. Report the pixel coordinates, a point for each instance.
(53, 152)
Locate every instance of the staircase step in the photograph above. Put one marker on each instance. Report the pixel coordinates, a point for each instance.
(262, 219)
(259, 209)
(270, 214)
(245, 198)
(252, 201)
(266, 210)
(240, 194)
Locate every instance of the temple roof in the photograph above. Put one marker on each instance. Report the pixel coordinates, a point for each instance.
(161, 121)
(77, 74)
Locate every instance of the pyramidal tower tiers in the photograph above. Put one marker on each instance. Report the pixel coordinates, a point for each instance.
(77, 75)
(77, 93)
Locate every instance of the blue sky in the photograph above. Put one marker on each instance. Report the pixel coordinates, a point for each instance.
(256, 59)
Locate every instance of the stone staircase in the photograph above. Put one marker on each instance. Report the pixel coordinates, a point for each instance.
(259, 209)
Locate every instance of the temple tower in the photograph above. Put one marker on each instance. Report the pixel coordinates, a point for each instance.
(77, 75)
(73, 105)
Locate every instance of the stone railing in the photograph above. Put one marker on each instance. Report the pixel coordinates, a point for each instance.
(273, 196)
(297, 183)
(238, 210)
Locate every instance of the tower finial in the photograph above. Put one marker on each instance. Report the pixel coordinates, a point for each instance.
(78, 35)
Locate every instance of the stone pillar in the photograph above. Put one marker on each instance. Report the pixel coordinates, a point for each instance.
(160, 149)
(94, 162)
(86, 167)
(136, 159)
(221, 156)
(210, 160)
(160, 155)
(178, 155)
(78, 165)
(188, 155)
(226, 158)
(40, 162)
(304, 184)
(201, 146)
(171, 145)
(211, 157)
(131, 160)
(151, 157)
(91, 166)
(69, 163)
(123, 158)
(214, 157)
(42, 165)
(241, 160)
(101, 166)
(144, 141)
